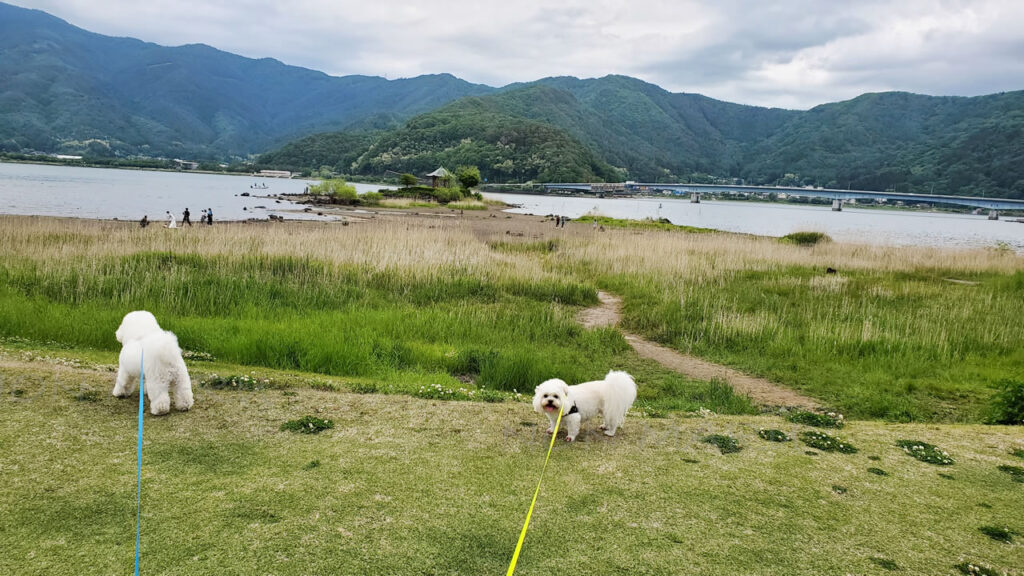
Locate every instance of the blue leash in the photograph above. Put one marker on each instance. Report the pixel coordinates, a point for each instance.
(138, 496)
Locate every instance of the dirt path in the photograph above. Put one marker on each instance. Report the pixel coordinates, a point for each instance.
(761, 391)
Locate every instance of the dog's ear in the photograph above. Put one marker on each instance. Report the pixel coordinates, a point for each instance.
(536, 401)
(565, 389)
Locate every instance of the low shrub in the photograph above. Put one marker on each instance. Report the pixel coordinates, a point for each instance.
(925, 452)
(826, 443)
(773, 435)
(817, 419)
(307, 425)
(1018, 452)
(878, 472)
(725, 444)
(1007, 405)
(806, 238)
(371, 198)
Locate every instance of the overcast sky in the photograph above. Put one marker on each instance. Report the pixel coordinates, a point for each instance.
(788, 53)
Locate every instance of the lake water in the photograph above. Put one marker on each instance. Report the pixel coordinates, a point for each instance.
(130, 194)
(864, 225)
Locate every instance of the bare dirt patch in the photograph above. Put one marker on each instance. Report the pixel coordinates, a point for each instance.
(761, 391)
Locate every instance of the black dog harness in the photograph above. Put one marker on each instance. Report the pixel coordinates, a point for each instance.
(573, 410)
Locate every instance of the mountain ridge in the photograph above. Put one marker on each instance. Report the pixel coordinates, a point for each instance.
(68, 90)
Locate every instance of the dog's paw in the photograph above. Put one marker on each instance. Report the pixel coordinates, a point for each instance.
(160, 406)
(609, 432)
(569, 439)
(551, 430)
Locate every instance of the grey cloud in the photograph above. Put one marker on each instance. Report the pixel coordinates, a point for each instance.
(793, 53)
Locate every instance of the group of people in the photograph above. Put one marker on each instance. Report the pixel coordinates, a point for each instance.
(560, 221)
(207, 218)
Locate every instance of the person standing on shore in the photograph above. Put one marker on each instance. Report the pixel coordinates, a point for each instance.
(144, 222)
(184, 218)
(209, 216)
(170, 220)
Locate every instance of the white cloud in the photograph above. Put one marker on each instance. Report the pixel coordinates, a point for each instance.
(795, 53)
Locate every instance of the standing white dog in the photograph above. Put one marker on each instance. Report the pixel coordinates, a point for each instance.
(610, 397)
(140, 334)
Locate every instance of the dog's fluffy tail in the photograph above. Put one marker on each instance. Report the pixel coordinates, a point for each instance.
(623, 393)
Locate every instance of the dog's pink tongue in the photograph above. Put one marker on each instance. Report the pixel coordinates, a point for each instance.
(549, 408)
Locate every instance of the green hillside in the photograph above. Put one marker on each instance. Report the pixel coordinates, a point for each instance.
(913, 143)
(68, 90)
(504, 146)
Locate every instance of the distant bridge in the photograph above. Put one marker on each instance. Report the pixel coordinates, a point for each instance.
(695, 190)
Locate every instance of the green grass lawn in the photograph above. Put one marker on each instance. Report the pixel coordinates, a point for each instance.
(403, 485)
(903, 346)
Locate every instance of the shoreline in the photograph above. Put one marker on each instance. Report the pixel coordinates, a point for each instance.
(485, 224)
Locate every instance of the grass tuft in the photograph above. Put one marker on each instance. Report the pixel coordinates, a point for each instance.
(725, 444)
(773, 435)
(826, 443)
(806, 238)
(878, 472)
(998, 533)
(925, 452)
(88, 396)
(244, 383)
(1015, 472)
(976, 569)
(307, 425)
(885, 563)
(817, 419)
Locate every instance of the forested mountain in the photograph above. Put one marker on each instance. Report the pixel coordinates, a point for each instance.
(913, 143)
(65, 89)
(969, 146)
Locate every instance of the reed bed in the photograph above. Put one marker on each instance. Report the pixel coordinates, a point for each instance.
(893, 333)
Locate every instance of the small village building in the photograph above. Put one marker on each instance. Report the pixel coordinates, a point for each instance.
(439, 177)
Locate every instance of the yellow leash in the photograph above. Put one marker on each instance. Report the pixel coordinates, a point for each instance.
(522, 535)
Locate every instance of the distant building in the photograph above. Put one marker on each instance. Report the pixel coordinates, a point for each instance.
(275, 173)
(66, 157)
(185, 164)
(439, 177)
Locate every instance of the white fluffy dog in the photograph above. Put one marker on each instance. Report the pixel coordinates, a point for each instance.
(146, 346)
(610, 397)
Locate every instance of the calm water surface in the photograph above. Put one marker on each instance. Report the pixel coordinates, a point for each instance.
(130, 194)
(865, 225)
